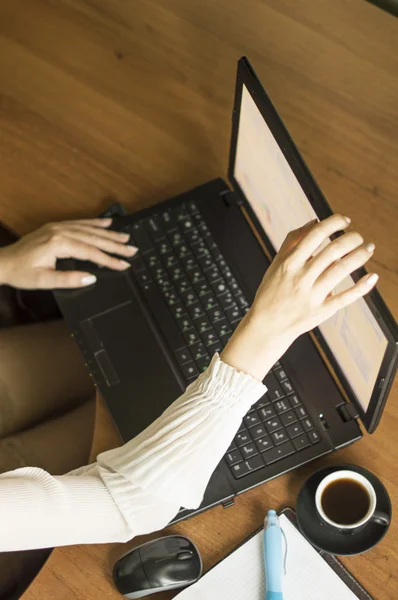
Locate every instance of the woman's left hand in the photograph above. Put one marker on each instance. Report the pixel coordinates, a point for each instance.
(30, 263)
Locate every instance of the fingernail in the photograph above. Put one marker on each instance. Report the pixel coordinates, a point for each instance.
(348, 219)
(88, 279)
(124, 264)
(133, 250)
(371, 280)
(370, 247)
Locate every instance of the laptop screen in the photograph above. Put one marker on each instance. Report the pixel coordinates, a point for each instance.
(280, 204)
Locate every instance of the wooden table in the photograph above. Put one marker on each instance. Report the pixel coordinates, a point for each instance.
(133, 98)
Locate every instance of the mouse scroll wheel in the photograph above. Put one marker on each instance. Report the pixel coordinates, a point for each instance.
(184, 555)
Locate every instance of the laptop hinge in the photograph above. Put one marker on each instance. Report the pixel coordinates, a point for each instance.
(348, 412)
(231, 198)
(228, 503)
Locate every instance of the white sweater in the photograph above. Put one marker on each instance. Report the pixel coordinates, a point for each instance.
(139, 487)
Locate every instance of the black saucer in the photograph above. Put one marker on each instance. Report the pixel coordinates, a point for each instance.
(321, 535)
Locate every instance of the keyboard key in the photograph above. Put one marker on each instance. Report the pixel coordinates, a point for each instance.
(209, 338)
(277, 365)
(188, 262)
(233, 314)
(282, 406)
(252, 419)
(222, 327)
(301, 412)
(264, 443)
(243, 437)
(176, 238)
(177, 273)
(294, 400)
(278, 453)
(182, 251)
(183, 356)
(209, 301)
(143, 277)
(294, 430)
(152, 259)
(168, 222)
(215, 250)
(234, 287)
(178, 311)
(287, 386)
(242, 302)
(171, 297)
(192, 207)
(314, 437)
(224, 339)
(187, 224)
(154, 228)
(307, 424)
(202, 324)
(227, 300)
(206, 262)
(193, 236)
(213, 274)
(198, 350)
(190, 370)
(248, 450)
(183, 285)
(301, 442)
(185, 324)
(202, 288)
(232, 446)
(258, 432)
(219, 287)
(164, 248)
(170, 260)
(141, 238)
(274, 389)
(202, 363)
(242, 427)
(137, 264)
(288, 418)
(196, 311)
(279, 437)
(191, 337)
(189, 297)
(273, 425)
(200, 249)
(244, 468)
(267, 413)
(233, 457)
(196, 275)
(215, 314)
(280, 374)
(180, 213)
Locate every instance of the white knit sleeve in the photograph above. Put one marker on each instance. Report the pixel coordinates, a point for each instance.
(138, 487)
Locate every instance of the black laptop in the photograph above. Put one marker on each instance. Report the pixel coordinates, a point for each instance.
(148, 332)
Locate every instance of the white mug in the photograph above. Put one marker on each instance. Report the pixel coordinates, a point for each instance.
(371, 514)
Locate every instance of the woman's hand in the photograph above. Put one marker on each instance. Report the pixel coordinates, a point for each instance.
(297, 293)
(30, 262)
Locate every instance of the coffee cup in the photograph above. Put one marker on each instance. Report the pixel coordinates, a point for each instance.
(346, 501)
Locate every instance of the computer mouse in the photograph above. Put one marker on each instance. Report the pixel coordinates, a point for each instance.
(166, 563)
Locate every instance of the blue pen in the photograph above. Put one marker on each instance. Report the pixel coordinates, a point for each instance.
(273, 557)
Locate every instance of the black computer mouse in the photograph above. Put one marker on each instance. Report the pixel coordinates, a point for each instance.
(167, 563)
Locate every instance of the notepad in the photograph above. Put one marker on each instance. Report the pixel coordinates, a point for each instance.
(241, 575)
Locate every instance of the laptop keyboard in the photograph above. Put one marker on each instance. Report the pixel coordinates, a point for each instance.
(198, 303)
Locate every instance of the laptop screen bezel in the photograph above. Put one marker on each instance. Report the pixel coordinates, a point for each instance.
(247, 77)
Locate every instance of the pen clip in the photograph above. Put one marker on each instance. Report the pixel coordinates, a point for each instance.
(285, 559)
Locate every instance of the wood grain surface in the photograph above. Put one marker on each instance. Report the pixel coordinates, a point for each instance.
(132, 99)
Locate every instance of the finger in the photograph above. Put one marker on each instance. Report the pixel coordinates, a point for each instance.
(102, 243)
(335, 274)
(316, 236)
(333, 252)
(117, 236)
(73, 248)
(51, 279)
(102, 222)
(361, 288)
(296, 235)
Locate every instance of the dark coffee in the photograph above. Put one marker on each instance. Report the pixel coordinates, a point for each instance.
(345, 501)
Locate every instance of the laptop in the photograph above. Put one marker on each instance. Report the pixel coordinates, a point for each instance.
(148, 332)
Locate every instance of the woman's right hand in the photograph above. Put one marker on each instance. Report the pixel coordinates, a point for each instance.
(296, 293)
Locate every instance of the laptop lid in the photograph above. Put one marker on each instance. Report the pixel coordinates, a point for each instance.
(360, 343)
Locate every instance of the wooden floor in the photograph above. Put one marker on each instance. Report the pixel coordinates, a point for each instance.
(132, 99)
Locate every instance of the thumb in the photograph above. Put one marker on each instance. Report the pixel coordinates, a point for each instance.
(51, 279)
